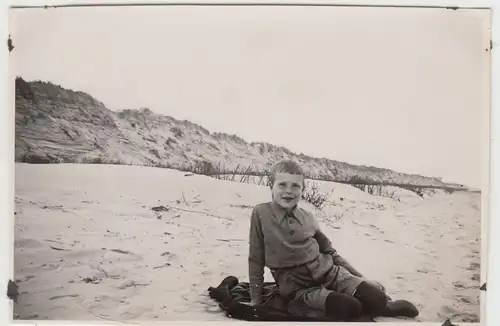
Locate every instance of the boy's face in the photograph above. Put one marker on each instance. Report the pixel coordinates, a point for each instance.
(287, 189)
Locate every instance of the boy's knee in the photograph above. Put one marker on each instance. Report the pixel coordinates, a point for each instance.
(343, 307)
(374, 300)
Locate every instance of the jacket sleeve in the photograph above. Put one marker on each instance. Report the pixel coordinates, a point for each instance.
(256, 258)
(325, 245)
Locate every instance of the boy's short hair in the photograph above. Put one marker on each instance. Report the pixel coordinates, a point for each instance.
(285, 166)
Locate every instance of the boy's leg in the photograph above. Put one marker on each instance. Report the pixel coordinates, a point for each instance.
(376, 303)
(299, 285)
(374, 300)
(338, 306)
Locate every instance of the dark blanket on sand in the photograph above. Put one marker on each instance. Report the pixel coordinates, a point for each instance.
(233, 295)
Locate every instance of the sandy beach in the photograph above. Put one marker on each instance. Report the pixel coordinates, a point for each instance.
(90, 246)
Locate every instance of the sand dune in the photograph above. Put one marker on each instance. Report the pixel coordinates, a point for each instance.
(88, 245)
(54, 124)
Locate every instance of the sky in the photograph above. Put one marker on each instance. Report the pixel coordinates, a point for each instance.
(402, 89)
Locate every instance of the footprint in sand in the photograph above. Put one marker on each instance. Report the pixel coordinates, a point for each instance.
(460, 285)
(28, 317)
(25, 279)
(102, 305)
(473, 266)
(162, 266)
(49, 267)
(64, 296)
(424, 270)
(463, 299)
(468, 318)
(131, 283)
(121, 255)
(447, 311)
(135, 311)
(169, 256)
(456, 316)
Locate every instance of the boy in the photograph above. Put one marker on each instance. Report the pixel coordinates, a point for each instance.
(288, 240)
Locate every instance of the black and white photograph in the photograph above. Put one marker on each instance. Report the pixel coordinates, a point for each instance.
(250, 163)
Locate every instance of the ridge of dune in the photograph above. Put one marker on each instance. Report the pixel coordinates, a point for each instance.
(54, 124)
